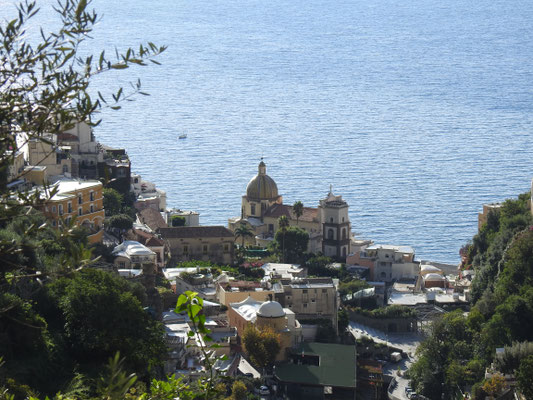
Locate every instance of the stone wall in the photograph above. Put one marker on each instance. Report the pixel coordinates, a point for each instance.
(387, 325)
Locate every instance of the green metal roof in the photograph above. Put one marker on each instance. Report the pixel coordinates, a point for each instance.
(337, 366)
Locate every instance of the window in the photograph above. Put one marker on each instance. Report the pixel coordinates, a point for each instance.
(185, 249)
(331, 234)
(67, 221)
(69, 207)
(91, 196)
(122, 264)
(61, 209)
(54, 209)
(270, 227)
(204, 249)
(324, 290)
(305, 291)
(80, 211)
(305, 305)
(312, 300)
(65, 168)
(331, 220)
(342, 219)
(80, 198)
(344, 233)
(54, 223)
(92, 208)
(252, 206)
(226, 248)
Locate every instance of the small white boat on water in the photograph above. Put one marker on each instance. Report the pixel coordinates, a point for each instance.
(182, 136)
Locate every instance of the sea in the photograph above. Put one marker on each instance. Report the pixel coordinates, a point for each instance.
(417, 112)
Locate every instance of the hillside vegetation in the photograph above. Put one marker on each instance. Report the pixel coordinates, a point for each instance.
(460, 347)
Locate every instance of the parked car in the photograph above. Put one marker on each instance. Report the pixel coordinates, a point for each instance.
(263, 390)
(396, 356)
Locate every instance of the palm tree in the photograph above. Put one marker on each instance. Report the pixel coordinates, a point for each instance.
(243, 231)
(298, 209)
(283, 223)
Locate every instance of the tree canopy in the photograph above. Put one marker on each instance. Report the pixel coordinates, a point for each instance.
(459, 348)
(261, 345)
(49, 316)
(178, 220)
(112, 202)
(291, 243)
(121, 221)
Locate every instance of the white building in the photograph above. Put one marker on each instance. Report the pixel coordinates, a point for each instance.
(133, 255)
(192, 218)
(283, 271)
(192, 279)
(147, 194)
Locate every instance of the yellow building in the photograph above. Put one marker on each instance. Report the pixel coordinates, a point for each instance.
(81, 201)
(46, 153)
(228, 291)
(206, 243)
(267, 314)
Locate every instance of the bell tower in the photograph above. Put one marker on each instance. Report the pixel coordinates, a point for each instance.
(336, 226)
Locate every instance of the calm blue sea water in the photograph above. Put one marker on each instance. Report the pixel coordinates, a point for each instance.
(417, 112)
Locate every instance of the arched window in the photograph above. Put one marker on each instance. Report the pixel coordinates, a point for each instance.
(344, 233)
(331, 234)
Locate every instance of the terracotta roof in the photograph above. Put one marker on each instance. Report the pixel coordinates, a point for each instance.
(154, 241)
(148, 239)
(152, 218)
(195, 232)
(277, 210)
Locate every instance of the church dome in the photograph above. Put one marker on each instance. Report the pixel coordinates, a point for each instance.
(262, 186)
(271, 309)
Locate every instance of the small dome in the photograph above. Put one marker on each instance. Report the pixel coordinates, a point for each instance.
(222, 278)
(434, 277)
(262, 186)
(271, 309)
(430, 269)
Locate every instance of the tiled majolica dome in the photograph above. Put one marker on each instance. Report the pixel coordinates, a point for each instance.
(262, 186)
